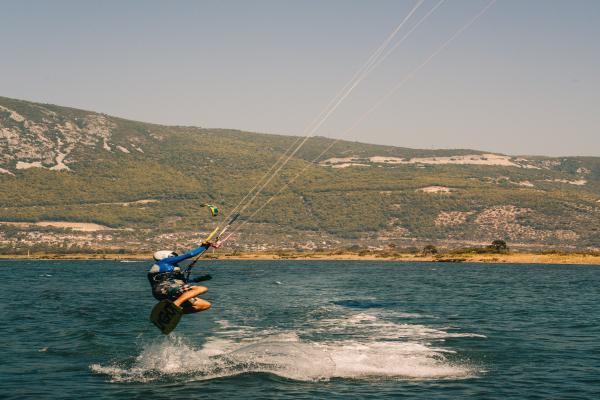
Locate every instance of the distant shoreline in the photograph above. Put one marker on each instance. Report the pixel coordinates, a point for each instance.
(501, 258)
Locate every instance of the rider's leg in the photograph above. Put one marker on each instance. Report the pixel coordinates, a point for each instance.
(195, 305)
(188, 294)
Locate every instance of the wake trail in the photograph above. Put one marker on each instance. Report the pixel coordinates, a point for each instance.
(355, 345)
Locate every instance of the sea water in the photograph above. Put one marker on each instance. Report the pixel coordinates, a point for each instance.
(304, 329)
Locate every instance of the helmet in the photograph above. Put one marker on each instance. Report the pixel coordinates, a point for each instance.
(162, 254)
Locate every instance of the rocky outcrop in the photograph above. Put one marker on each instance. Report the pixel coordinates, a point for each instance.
(46, 139)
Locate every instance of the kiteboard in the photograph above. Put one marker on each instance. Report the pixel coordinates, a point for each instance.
(166, 315)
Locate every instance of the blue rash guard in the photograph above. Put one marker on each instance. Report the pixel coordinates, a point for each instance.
(168, 270)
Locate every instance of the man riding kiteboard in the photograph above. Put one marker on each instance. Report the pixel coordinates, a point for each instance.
(172, 287)
(169, 282)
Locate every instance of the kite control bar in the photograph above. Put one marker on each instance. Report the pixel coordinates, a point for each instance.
(216, 244)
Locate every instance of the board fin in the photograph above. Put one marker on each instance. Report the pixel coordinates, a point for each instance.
(166, 315)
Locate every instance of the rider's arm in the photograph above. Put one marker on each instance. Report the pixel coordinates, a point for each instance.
(192, 253)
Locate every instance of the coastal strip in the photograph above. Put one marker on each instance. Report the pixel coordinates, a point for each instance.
(502, 258)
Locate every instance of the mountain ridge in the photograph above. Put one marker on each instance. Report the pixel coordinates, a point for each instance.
(70, 165)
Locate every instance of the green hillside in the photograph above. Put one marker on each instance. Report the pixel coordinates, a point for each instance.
(146, 183)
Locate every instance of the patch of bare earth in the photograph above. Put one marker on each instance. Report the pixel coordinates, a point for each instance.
(76, 226)
(452, 218)
(435, 189)
(131, 203)
(469, 159)
(501, 222)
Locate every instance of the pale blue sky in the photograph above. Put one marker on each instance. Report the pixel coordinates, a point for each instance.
(524, 79)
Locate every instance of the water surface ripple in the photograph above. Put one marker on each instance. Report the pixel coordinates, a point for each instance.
(304, 329)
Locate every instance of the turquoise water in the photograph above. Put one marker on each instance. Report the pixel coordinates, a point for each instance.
(304, 329)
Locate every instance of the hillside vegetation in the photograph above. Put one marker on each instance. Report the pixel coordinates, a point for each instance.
(144, 183)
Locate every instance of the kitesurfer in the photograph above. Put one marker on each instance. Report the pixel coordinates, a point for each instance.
(169, 282)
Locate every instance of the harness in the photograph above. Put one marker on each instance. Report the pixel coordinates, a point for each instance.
(159, 277)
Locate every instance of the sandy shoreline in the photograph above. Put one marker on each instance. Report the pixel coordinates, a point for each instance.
(510, 258)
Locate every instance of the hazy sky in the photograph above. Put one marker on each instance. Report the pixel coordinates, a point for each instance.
(524, 79)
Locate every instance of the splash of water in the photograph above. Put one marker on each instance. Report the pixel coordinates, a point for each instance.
(371, 348)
